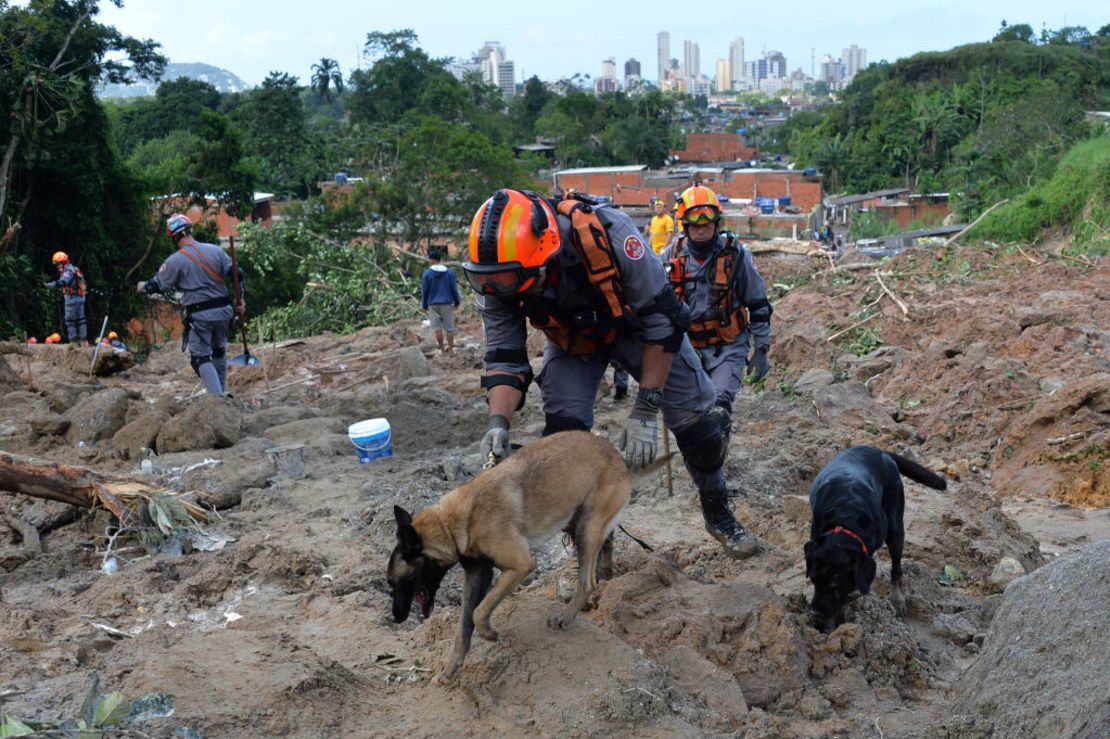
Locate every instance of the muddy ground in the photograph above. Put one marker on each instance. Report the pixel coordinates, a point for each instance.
(997, 375)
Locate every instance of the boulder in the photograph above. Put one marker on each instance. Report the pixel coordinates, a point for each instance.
(210, 423)
(850, 404)
(140, 433)
(49, 424)
(305, 430)
(1006, 571)
(97, 417)
(813, 379)
(1042, 667)
(399, 365)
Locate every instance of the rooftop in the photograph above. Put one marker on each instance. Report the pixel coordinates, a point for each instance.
(603, 170)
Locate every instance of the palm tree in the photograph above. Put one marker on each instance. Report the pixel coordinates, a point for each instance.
(326, 77)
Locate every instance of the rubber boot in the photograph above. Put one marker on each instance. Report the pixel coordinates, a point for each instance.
(737, 541)
(210, 378)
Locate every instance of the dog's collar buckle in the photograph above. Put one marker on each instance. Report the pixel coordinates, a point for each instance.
(853, 534)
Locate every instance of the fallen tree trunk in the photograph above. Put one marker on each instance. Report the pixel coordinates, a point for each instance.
(77, 486)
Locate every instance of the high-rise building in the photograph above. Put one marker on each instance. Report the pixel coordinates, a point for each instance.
(609, 67)
(691, 62)
(631, 74)
(776, 64)
(490, 47)
(663, 49)
(831, 72)
(736, 61)
(496, 69)
(724, 78)
(506, 78)
(854, 59)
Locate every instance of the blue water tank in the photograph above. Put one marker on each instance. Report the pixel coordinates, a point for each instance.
(741, 131)
(783, 202)
(341, 178)
(810, 171)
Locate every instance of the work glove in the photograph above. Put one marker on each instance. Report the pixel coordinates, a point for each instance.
(758, 365)
(640, 432)
(495, 444)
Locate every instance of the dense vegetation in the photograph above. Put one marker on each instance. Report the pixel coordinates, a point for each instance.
(983, 121)
(425, 148)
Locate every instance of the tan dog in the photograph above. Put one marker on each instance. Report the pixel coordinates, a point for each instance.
(572, 481)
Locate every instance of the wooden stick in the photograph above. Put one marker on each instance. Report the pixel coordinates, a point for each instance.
(288, 384)
(670, 471)
(975, 223)
(27, 531)
(905, 309)
(855, 325)
(1031, 259)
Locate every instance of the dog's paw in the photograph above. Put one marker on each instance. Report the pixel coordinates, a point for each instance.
(487, 632)
(899, 602)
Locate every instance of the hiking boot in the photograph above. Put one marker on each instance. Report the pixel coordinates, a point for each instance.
(620, 393)
(738, 542)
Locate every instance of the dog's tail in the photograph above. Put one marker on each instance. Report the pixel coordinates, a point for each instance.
(917, 473)
(658, 464)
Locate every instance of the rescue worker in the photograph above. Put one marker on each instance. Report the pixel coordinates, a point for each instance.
(661, 228)
(73, 286)
(198, 270)
(528, 257)
(716, 277)
(113, 340)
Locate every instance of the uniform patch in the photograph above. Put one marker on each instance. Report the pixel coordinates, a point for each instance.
(633, 247)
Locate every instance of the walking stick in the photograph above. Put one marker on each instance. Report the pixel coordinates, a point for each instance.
(96, 352)
(245, 358)
(667, 451)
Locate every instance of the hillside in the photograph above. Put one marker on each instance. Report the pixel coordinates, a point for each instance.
(223, 80)
(997, 378)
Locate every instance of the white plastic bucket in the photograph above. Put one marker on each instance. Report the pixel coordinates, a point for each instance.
(372, 439)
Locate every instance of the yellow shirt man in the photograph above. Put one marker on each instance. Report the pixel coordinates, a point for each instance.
(662, 228)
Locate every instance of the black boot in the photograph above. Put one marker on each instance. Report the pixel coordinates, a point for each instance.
(620, 393)
(738, 542)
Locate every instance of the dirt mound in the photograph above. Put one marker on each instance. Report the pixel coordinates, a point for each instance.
(1042, 670)
(97, 417)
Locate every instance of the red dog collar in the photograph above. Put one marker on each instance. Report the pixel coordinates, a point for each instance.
(849, 532)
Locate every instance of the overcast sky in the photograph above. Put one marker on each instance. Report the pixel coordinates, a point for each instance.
(251, 38)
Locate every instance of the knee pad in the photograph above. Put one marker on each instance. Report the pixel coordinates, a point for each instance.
(198, 359)
(555, 424)
(703, 444)
(219, 353)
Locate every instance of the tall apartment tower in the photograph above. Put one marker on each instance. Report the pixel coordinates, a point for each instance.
(691, 62)
(724, 76)
(631, 73)
(663, 47)
(854, 59)
(736, 62)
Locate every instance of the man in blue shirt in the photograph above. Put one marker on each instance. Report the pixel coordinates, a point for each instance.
(439, 296)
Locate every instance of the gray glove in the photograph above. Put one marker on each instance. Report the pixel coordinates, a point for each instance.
(758, 365)
(640, 431)
(495, 444)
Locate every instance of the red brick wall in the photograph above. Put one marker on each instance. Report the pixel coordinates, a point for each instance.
(924, 212)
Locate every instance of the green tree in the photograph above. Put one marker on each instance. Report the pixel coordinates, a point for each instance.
(326, 77)
(274, 132)
(1020, 32)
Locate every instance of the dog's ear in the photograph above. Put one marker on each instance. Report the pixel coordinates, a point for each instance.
(865, 574)
(406, 534)
(811, 547)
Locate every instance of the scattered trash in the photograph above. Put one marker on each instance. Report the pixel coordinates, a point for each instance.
(287, 461)
(951, 576)
(109, 566)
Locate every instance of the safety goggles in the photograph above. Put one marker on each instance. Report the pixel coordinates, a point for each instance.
(503, 280)
(701, 215)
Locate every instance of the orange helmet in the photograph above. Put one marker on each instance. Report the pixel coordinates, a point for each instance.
(32, 340)
(113, 335)
(60, 257)
(699, 204)
(53, 338)
(512, 236)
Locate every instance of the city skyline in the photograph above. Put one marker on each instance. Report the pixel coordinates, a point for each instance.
(291, 37)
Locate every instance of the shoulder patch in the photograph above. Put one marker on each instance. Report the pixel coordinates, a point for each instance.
(633, 247)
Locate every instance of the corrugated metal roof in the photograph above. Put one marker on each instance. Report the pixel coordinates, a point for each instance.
(603, 170)
(849, 199)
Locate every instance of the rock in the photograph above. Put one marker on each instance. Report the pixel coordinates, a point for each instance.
(796, 508)
(304, 430)
(62, 397)
(255, 424)
(49, 424)
(814, 706)
(813, 379)
(210, 423)
(954, 627)
(399, 365)
(110, 361)
(1052, 385)
(850, 404)
(1006, 571)
(1042, 668)
(140, 433)
(97, 416)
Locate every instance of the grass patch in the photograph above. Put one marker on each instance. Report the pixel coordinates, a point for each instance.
(1077, 198)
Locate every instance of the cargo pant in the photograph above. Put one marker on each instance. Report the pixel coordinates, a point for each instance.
(726, 366)
(77, 327)
(208, 343)
(569, 382)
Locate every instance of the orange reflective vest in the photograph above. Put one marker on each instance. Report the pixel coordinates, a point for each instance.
(724, 323)
(587, 331)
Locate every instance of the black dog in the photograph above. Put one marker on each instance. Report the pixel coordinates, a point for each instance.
(858, 502)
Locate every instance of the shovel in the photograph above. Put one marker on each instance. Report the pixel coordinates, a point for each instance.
(244, 359)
